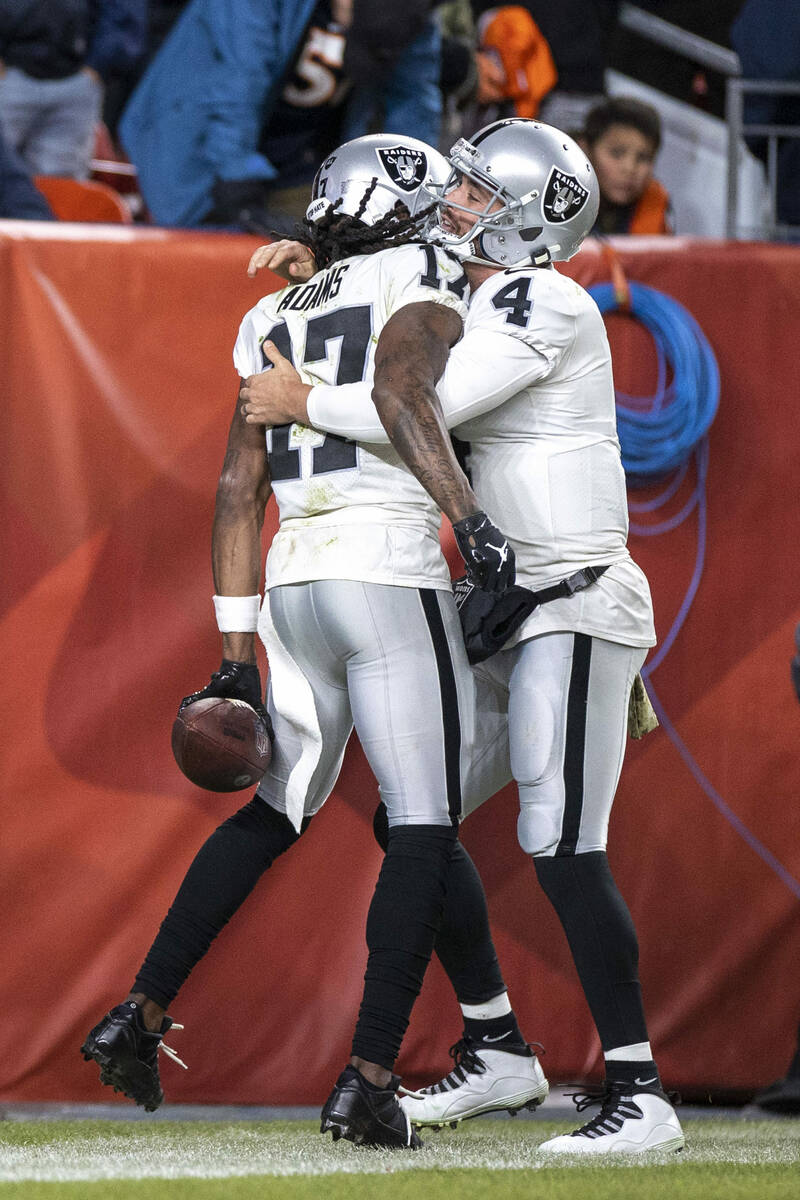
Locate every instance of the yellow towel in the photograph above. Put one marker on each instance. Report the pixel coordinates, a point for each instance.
(641, 714)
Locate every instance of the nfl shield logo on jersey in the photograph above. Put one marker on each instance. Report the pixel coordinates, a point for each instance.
(563, 198)
(405, 166)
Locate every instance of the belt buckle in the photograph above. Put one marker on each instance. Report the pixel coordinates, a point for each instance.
(576, 583)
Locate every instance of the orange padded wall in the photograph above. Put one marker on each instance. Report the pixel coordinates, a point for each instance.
(117, 391)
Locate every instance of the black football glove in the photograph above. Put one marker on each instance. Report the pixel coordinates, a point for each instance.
(235, 681)
(488, 557)
(796, 663)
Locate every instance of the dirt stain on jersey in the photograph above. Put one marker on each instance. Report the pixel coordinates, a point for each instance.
(320, 497)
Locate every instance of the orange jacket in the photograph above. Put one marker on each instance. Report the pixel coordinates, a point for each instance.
(651, 214)
(513, 36)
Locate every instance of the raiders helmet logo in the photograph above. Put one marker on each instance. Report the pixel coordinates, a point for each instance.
(405, 167)
(563, 197)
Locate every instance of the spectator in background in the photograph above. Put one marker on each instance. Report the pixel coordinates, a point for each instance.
(578, 33)
(533, 59)
(500, 67)
(510, 40)
(53, 60)
(766, 36)
(465, 75)
(161, 16)
(244, 97)
(392, 58)
(19, 197)
(622, 137)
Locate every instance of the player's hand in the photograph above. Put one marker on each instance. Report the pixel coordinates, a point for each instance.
(234, 681)
(276, 396)
(291, 260)
(796, 663)
(487, 555)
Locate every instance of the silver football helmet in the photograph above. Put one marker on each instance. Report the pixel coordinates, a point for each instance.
(545, 187)
(400, 166)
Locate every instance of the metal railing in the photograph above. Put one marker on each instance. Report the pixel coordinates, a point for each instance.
(672, 37)
(726, 62)
(773, 132)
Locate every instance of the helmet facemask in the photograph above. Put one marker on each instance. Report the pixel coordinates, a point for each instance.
(465, 160)
(542, 184)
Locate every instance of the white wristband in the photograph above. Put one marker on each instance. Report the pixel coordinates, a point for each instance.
(237, 614)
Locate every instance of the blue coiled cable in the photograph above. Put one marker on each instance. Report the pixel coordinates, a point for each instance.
(658, 434)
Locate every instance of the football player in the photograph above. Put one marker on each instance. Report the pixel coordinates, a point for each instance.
(529, 392)
(360, 628)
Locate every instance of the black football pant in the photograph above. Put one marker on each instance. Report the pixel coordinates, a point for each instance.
(413, 880)
(463, 943)
(595, 919)
(221, 877)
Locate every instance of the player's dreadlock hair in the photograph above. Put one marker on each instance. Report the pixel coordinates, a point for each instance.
(336, 236)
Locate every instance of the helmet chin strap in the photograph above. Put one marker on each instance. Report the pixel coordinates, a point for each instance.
(541, 258)
(470, 252)
(475, 257)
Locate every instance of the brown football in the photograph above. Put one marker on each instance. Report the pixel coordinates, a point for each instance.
(221, 744)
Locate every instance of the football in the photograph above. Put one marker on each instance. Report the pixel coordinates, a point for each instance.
(221, 744)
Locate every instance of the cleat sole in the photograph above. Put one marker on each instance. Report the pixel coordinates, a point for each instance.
(110, 1076)
(454, 1122)
(357, 1138)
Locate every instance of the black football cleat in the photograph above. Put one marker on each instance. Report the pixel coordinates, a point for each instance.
(127, 1054)
(366, 1115)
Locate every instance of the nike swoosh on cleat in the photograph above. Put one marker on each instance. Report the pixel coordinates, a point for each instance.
(644, 1082)
(497, 1039)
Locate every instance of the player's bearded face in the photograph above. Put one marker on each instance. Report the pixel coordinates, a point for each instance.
(467, 195)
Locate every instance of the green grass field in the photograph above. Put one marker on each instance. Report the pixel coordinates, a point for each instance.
(41, 1160)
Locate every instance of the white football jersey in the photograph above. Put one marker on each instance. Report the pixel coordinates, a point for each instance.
(348, 511)
(546, 462)
(529, 390)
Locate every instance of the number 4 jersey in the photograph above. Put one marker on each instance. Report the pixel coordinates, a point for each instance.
(347, 510)
(528, 391)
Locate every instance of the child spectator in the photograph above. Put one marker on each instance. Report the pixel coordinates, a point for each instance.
(622, 137)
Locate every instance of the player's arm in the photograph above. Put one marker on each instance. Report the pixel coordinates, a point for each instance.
(486, 368)
(409, 359)
(243, 490)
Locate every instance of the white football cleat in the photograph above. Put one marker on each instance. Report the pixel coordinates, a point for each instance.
(630, 1121)
(483, 1080)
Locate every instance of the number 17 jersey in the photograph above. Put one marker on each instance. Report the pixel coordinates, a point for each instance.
(348, 510)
